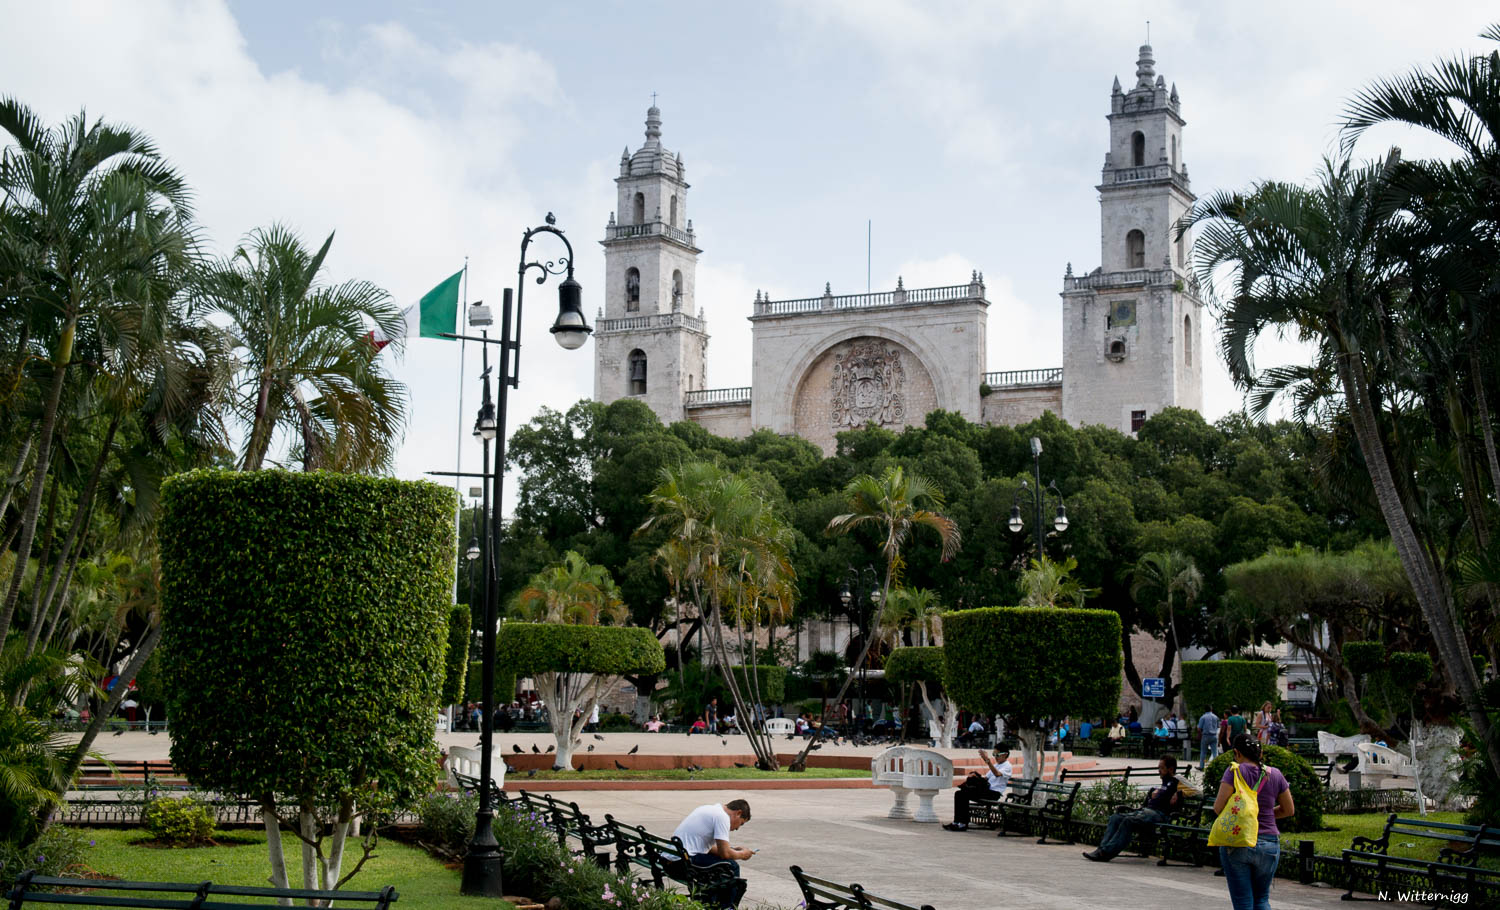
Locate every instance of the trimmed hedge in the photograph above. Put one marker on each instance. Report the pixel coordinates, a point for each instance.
(456, 664)
(1307, 787)
(505, 684)
(526, 648)
(1409, 669)
(772, 682)
(1030, 663)
(1363, 657)
(909, 665)
(305, 618)
(1222, 683)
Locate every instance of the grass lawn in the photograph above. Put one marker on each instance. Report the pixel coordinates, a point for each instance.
(520, 777)
(1346, 827)
(420, 880)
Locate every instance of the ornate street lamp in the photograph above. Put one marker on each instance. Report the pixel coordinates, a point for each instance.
(1037, 499)
(483, 862)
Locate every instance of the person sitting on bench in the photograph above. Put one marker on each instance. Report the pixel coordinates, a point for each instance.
(991, 786)
(705, 836)
(1123, 825)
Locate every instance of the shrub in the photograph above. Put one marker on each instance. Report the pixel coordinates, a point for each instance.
(527, 648)
(616, 723)
(1307, 787)
(179, 822)
(1029, 663)
(305, 622)
(57, 851)
(456, 664)
(447, 819)
(1222, 683)
(910, 665)
(1097, 801)
(1363, 657)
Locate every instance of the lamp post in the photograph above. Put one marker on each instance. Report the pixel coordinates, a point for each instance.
(861, 590)
(482, 864)
(1038, 500)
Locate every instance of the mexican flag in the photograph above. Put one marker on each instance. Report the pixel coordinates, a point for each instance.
(435, 313)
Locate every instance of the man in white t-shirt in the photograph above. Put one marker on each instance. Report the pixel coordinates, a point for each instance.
(989, 787)
(705, 837)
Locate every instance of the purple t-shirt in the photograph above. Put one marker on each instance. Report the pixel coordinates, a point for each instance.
(1270, 791)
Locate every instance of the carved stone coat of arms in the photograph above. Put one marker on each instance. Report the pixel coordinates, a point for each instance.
(868, 385)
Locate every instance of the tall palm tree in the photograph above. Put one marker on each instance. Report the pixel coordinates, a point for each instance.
(908, 611)
(894, 505)
(96, 238)
(1318, 262)
(730, 551)
(305, 365)
(1166, 581)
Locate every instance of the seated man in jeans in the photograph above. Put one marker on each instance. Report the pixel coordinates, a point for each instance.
(991, 786)
(1159, 804)
(705, 836)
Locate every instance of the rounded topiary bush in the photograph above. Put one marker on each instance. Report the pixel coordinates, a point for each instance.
(181, 821)
(1307, 788)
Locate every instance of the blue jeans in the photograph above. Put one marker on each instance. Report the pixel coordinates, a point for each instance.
(1122, 827)
(1249, 872)
(1207, 742)
(727, 896)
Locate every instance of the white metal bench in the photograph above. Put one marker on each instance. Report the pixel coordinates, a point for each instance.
(925, 773)
(778, 726)
(466, 761)
(888, 769)
(1378, 763)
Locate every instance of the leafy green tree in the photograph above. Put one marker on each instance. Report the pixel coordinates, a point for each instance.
(305, 362)
(1163, 582)
(573, 591)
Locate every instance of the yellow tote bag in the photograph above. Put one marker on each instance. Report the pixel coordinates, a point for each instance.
(1239, 824)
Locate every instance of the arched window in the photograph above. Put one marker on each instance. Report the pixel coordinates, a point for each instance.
(676, 289)
(640, 209)
(632, 290)
(673, 215)
(1135, 250)
(1117, 349)
(1187, 340)
(1137, 149)
(637, 372)
(1174, 153)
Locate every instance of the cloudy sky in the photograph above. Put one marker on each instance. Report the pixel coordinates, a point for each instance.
(969, 133)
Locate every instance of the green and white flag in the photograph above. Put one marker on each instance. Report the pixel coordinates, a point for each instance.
(435, 313)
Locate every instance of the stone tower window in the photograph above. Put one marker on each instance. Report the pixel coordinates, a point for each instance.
(1116, 350)
(640, 209)
(676, 289)
(637, 372)
(1187, 340)
(1174, 153)
(632, 290)
(1137, 149)
(1137, 420)
(1135, 249)
(673, 215)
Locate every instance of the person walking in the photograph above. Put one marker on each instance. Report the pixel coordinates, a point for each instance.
(1208, 736)
(1249, 871)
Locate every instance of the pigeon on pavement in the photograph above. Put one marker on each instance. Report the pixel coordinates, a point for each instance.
(598, 737)
(551, 749)
(619, 766)
(634, 749)
(740, 764)
(535, 749)
(531, 773)
(516, 749)
(591, 747)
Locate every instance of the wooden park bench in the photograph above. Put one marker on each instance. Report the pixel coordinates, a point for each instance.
(1050, 808)
(665, 858)
(1090, 774)
(822, 894)
(990, 813)
(567, 820)
(98, 774)
(31, 889)
(1368, 863)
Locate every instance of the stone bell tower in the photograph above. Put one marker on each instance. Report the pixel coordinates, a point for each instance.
(1132, 328)
(650, 343)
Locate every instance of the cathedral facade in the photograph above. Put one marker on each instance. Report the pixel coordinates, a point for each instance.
(823, 364)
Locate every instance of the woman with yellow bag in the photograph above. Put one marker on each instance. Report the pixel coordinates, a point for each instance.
(1251, 798)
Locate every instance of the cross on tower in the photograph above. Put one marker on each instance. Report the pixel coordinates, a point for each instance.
(653, 99)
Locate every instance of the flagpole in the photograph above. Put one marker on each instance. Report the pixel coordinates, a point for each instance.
(458, 517)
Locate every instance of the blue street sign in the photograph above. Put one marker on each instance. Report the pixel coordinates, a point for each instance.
(1153, 687)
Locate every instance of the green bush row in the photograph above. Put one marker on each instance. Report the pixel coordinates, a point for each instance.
(909, 665)
(456, 664)
(525, 648)
(1222, 683)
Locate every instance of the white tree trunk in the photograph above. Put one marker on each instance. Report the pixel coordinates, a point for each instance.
(947, 728)
(567, 693)
(332, 868)
(642, 712)
(273, 846)
(309, 821)
(1031, 739)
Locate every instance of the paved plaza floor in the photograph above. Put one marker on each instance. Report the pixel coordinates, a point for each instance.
(845, 835)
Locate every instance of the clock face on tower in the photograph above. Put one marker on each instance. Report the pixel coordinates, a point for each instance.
(1121, 313)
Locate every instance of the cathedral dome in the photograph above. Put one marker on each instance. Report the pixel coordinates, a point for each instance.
(652, 157)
